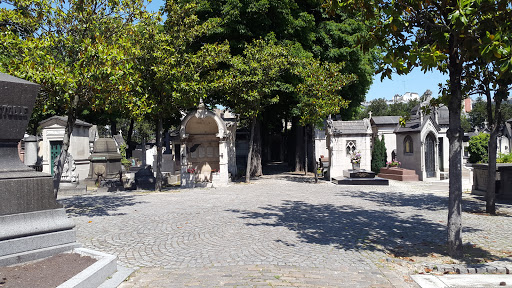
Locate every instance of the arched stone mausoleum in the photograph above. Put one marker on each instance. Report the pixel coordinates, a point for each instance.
(417, 147)
(206, 142)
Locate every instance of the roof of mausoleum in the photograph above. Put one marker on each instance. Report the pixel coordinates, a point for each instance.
(385, 120)
(351, 127)
(62, 121)
(507, 130)
(415, 125)
(443, 114)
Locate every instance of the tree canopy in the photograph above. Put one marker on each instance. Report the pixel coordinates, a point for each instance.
(294, 22)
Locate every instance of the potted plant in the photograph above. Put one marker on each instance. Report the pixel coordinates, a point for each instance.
(393, 164)
(355, 159)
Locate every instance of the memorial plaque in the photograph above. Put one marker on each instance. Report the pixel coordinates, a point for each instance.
(16, 104)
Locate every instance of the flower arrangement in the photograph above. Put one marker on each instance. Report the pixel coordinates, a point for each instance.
(191, 170)
(355, 157)
(394, 163)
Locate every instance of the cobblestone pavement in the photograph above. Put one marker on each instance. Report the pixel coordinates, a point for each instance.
(276, 232)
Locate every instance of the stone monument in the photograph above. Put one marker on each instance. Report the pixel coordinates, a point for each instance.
(33, 224)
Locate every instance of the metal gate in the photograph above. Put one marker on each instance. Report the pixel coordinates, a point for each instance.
(55, 147)
(430, 156)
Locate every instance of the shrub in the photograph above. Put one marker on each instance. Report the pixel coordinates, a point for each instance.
(504, 158)
(379, 154)
(125, 162)
(478, 148)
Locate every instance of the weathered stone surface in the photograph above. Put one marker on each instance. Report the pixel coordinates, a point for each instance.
(22, 192)
(17, 98)
(358, 174)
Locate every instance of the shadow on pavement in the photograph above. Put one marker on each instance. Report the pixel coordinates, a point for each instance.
(421, 201)
(92, 206)
(353, 228)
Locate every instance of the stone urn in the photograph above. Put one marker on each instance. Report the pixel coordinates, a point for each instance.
(356, 166)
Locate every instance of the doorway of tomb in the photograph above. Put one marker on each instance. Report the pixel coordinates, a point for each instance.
(430, 156)
(55, 148)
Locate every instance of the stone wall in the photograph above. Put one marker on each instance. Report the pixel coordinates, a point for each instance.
(503, 180)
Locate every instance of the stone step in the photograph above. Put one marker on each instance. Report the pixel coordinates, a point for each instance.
(397, 171)
(399, 177)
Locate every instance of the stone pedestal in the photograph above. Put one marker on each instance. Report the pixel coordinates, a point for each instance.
(33, 224)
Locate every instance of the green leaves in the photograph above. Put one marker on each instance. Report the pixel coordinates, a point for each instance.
(320, 89)
(252, 82)
(81, 51)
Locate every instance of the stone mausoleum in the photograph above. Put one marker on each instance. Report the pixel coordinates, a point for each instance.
(207, 148)
(344, 138)
(52, 132)
(417, 146)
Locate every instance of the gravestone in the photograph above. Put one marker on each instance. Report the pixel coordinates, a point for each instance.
(105, 155)
(33, 224)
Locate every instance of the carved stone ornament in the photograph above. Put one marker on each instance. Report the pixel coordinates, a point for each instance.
(201, 112)
(68, 170)
(329, 126)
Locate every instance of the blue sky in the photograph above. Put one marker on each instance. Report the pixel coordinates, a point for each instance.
(416, 81)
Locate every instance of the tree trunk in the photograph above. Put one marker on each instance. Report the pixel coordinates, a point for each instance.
(291, 146)
(256, 167)
(58, 167)
(455, 135)
(299, 148)
(305, 150)
(249, 155)
(113, 127)
(315, 166)
(144, 163)
(490, 195)
(158, 167)
(129, 145)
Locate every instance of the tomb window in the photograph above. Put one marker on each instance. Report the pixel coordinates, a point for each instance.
(351, 146)
(408, 144)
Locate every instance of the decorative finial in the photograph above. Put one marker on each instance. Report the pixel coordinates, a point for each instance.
(201, 105)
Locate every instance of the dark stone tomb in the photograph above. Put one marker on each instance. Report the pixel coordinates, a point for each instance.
(359, 177)
(33, 224)
(105, 160)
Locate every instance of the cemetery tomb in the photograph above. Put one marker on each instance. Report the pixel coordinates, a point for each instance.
(205, 149)
(105, 160)
(33, 224)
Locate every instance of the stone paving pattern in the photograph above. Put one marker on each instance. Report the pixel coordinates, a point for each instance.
(276, 232)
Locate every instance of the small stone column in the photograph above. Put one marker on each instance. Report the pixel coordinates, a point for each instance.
(186, 179)
(223, 164)
(423, 173)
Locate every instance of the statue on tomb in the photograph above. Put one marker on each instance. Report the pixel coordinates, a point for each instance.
(68, 170)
